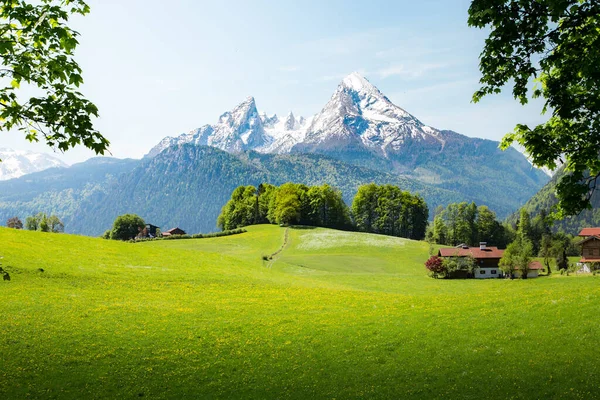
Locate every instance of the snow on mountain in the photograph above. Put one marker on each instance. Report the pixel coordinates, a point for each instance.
(244, 128)
(358, 115)
(17, 163)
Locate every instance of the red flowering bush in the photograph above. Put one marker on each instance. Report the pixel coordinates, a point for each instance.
(435, 265)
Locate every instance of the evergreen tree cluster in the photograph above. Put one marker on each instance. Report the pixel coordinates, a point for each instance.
(464, 223)
(383, 209)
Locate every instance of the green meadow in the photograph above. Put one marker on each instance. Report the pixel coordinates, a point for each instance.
(333, 315)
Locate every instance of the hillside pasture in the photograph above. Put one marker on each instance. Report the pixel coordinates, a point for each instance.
(334, 315)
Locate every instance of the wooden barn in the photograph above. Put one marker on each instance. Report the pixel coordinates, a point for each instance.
(590, 245)
(151, 229)
(174, 231)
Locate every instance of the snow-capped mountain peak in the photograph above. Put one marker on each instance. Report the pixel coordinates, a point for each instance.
(16, 163)
(290, 123)
(358, 115)
(357, 82)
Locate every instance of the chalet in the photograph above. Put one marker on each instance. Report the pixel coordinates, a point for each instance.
(488, 260)
(590, 246)
(151, 229)
(486, 257)
(174, 231)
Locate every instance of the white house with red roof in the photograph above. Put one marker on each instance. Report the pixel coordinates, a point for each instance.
(488, 260)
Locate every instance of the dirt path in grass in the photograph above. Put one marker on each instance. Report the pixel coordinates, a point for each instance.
(273, 257)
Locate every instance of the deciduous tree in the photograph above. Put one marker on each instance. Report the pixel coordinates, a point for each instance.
(14, 223)
(36, 49)
(127, 227)
(557, 43)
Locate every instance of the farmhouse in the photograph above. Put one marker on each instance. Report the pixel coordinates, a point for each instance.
(174, 231)
(590, 246)
(151, 229)
(488, 260)
(486, 257)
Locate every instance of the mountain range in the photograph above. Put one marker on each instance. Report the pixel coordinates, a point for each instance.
(358, 137)
(185, 185)
(16, 163)
(361, 126)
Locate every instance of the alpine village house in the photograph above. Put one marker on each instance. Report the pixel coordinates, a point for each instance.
(152, 231)
(590, 248)
(487, 259)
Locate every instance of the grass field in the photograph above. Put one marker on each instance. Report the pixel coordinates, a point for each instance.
(334, 315)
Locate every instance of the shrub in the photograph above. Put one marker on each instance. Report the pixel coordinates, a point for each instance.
(435, 265)
(14, 223)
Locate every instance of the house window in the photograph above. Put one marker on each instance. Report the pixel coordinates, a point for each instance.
(493, 272)
(482, 272)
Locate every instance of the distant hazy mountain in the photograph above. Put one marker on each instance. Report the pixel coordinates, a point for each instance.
(16, 163)
(361, 126)
(185, 185)
(62, 191)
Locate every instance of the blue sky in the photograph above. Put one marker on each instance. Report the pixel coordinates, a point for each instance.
(161, 68)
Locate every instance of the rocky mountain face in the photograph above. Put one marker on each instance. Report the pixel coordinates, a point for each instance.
(242, 129)
(18, 163)
(358, 117)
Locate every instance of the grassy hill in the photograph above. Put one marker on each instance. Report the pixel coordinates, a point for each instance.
(335, 314)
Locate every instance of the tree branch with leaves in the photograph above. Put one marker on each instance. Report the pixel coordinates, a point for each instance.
(37, 51)
(557, 44)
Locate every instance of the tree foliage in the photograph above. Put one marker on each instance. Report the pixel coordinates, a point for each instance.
(466, 223)
(557, 43)
(518, 255)
(14, 223)
(36, 49)
(127, 227)
(290, 203)
(386, 209)
(44, 223)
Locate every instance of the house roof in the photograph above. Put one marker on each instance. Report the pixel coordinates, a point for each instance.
(173, 230)
(590, 232)
(595, 237)
(583, 259)
(475, 252)
(535, 265)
